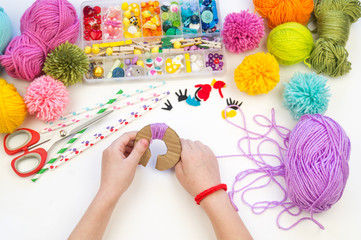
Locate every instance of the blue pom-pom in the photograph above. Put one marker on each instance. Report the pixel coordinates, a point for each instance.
(306, 94)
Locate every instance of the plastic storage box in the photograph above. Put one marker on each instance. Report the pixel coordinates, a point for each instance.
(151, 39)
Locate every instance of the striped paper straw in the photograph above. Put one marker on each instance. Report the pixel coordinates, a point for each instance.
(108, 131)
(117, 97)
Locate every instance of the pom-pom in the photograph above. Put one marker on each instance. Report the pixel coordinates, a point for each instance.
(282, 11)
(258, 73)
(67, 63)
(334, 18)
(5, 30)
(316, 163)
(290, 43)
(306, 94)
(45, 25)
(12, 108)
(242, 31)
(47, 98)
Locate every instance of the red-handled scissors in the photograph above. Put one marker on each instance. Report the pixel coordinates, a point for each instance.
(31, 139)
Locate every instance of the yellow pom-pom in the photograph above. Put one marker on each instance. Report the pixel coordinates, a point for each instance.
(88, 49)
(177, 44)
(12, 108)
(258, 73)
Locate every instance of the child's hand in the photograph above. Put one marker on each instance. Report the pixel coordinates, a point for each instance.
(119, 163)
(198, 168)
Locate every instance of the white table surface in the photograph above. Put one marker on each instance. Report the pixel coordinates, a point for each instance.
(156, 206)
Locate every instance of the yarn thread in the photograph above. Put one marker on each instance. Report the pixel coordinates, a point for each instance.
(333, 18)
(5, 30)
(290, 43)
(158, 130)
(242, 31)
(44, 26)
(257, 74)
(12, 108)
(312, 158)
(281, 11)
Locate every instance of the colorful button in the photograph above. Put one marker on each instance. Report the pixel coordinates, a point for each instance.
(137, 71)
(207, 16)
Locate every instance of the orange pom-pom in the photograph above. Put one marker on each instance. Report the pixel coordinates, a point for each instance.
(257, 74)
(282, 11)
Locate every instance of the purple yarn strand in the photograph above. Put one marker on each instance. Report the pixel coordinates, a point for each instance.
(312, 162)
(158, 130)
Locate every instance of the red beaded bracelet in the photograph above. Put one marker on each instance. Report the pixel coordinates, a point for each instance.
(209, 191)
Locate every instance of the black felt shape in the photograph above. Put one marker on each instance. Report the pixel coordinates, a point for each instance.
(233, 102)
(168, 106)
(181, 96)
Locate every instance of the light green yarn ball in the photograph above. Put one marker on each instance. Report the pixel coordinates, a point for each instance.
(290, 43)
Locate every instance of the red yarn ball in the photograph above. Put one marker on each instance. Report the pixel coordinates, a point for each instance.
(47, 98)
(44, 26)
(242, 31)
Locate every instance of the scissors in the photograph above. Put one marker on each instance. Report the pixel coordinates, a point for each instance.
(32, 139)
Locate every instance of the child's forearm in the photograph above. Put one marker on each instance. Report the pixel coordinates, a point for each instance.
(226, 222)
(95, 220)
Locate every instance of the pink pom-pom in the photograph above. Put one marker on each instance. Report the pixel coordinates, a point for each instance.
(242, 31)
(47, 98)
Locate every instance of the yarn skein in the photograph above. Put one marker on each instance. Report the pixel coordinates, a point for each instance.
(12, 108)
(5, 30)
(44, 26)
(242, 31)
(282, 11)
(290, 43)
(312, 159)
(333, 18)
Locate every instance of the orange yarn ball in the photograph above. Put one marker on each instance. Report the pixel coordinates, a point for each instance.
(258, 73)
(282, 11)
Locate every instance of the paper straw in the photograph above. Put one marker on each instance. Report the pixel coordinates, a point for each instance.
(117, 97)
(86, 116)
(108, 131)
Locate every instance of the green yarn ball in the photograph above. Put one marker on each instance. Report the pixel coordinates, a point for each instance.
(67, 63)
(290, 43)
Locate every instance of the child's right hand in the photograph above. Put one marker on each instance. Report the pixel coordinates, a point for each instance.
(198, 168)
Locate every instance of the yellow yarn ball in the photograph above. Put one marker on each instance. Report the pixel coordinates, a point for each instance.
(12, 108)
(257, 74)
(290, 43)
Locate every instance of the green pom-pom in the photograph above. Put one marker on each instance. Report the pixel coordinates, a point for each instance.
(67, 63)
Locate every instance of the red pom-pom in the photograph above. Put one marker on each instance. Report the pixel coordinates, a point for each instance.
(47, 98)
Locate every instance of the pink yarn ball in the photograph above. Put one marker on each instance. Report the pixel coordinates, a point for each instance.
(44, 26)
(242, 31)
(47, 98)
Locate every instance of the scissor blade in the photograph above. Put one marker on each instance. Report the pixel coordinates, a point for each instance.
(89, 122)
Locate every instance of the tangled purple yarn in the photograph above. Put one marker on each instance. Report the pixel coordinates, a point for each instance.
(242, 31)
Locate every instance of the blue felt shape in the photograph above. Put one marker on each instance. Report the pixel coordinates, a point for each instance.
(193, 101)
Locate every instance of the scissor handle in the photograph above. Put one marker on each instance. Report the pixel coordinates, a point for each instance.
(32, 137)
(39, 154)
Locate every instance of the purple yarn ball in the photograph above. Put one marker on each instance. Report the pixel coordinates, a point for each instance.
(242, 31)
(316, 163)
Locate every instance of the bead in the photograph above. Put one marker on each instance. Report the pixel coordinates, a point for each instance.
(88, 11)
(140, 63)
(159, 61)
(127, 61)
(87, 50)
(118, 72)
(109, 51)
(127, 14)
(97, 9)
(126, 21)
(132, 30)
(125, 6)
(134, 60)
(155, 50)
(98, 71)
(95, 49)
(137, 34)
(177, 44)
